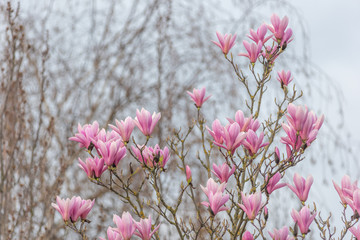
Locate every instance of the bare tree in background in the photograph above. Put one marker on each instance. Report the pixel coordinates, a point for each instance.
(80, 61)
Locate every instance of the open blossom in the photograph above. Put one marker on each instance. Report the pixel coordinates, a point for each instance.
(284, 77)
(245, 123)
(145, 122)
(253, 50)
(303, 219)
(152, 156)
(124, 128)
(253, 143)
(251, 204)
(72, 209)
(94, 167)
(354, 201)
(216, 202)
(144, 228)
(232, 137)
(213, 187)
(226, 42)
(302, 186)
(223, 171)
(259, 35)
(281, 234)
(85, 134)
(198, 96)
(112, 235)
(347, 188)
(247, 236)
(125, 225)
(273, 183)
(111, 152)
(355, 231)
(278, 26)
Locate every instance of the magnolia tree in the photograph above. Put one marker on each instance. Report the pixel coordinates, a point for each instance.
(255, 157)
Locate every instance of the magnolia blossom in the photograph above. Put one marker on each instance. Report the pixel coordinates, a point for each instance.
(253, 143)
(145, 122)
(355, 231)
(223, 171)
(354, 201)
(143, 228)
(198, 96)
(85, 134)
(247, 236)
(259, 35)
(226, 42)
(251, 204)
(253, 50)
(125, 225)
(272, 184)
(216, 131)
(124, 128)
(72, 209)
(152, 156)
(188, 174)
(94, 167)
(302, 186)
(111, 152)
(347, 188)
(245, 123)
(282, 234)
(216, 202)
(232, 137)
(213, 187)
(284, 77)
(303, 219)
(112, 235)
(278, 28)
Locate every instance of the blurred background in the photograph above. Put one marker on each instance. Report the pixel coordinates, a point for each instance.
(70, 62)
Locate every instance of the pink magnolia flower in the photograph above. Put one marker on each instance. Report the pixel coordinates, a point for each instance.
(272, 183)
(347, 188)
(188, 174)
(259, 35)
(278, 26)
(216, 132)
(284, 77)
(213, 187)
(232, 137)
(111, 152)
(94, 167)
(282, 234)
(72, 209)
(124, 225)
(124, 128)
(226, 42)
(247, 236)
(253, 50)
(302, 186)
(152, 156)
(198, 96)
(223, 171)
(297, 116)
(292, 139)
(245, 123)
(251, 204)
(354, 201)
(144, 228)
(85, 134)
(303, 219)
(145, 122)
(112, 235)
(253, 143)
(216, 202)
(355, 231)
